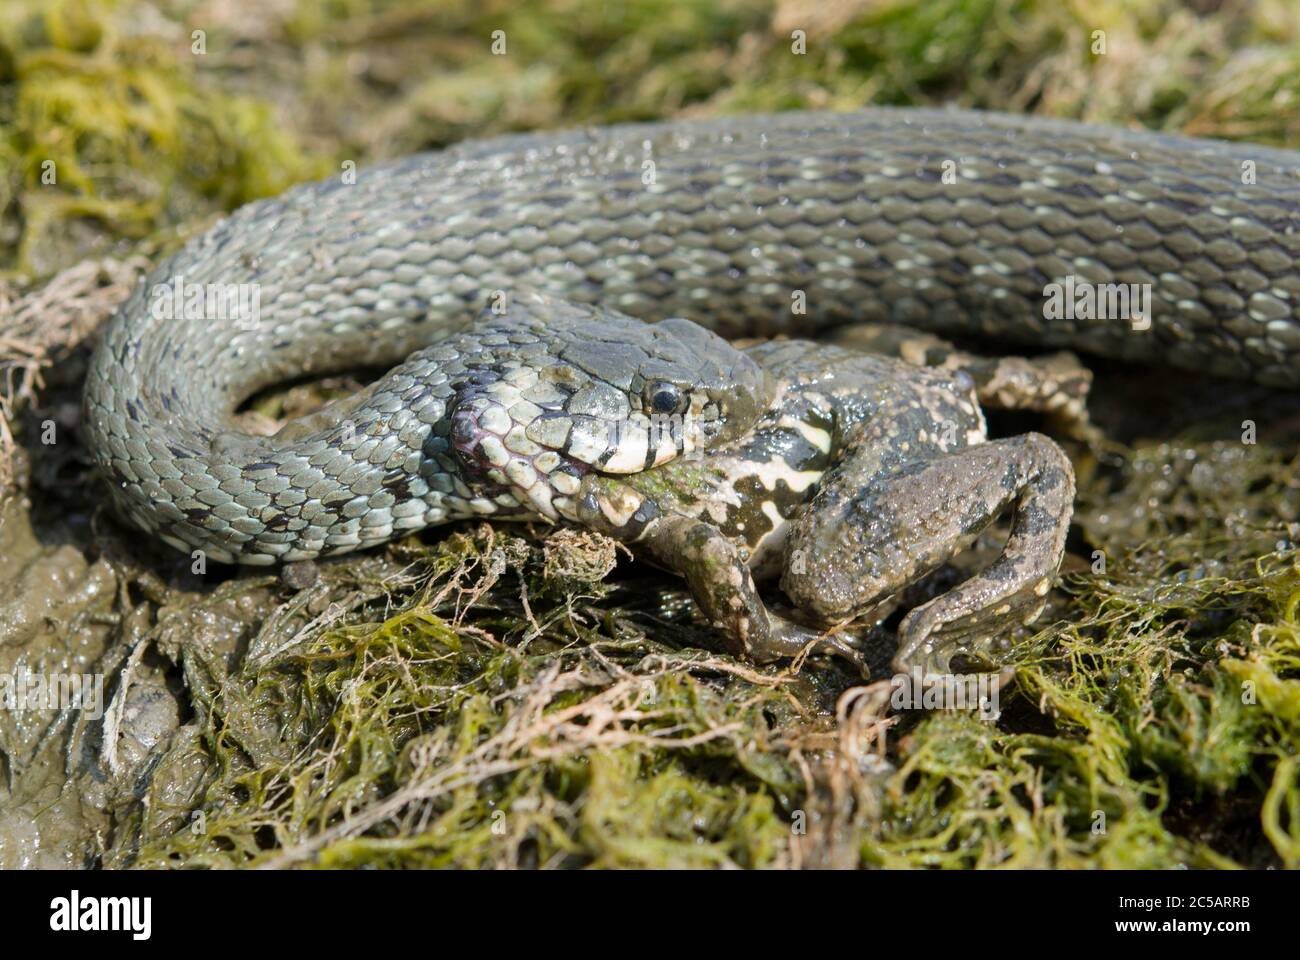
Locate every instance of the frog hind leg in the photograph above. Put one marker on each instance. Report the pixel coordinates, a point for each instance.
(716, 570)
(878, 524)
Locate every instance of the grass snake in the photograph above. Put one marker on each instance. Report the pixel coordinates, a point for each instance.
(499, 276)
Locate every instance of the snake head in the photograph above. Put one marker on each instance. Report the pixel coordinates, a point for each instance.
(553, 391)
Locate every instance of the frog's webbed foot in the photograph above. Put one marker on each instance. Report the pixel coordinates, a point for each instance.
(717, 572)
(878, 524)
(1055, 385)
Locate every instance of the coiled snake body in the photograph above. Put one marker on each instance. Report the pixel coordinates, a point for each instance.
(760, 225)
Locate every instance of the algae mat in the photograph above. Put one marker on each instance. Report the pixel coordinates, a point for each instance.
(518, 697)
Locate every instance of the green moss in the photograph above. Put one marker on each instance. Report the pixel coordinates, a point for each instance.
(1147, 701)
(417, 742)
(109, 135)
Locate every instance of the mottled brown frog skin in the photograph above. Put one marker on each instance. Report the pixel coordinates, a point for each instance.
(867, 473)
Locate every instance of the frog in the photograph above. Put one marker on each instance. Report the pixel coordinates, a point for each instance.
(871, 468)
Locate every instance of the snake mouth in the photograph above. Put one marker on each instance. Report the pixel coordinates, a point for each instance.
(492, 445)
(542, 456)
(536, 428)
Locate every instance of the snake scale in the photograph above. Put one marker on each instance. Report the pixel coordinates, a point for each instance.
(793, 223)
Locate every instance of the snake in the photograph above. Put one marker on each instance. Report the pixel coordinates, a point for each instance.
(533, 292)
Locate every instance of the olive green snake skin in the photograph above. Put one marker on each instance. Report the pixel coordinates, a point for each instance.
(757, 225)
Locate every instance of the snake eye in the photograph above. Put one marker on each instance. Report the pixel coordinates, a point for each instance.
(664, 397)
